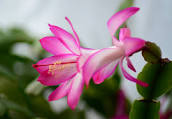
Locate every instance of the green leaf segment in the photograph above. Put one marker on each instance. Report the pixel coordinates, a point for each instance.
(158, 74)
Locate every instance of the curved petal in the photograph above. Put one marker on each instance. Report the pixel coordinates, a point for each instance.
(75, 34)
(61, 91)
(130, 65)
(124, 32)
(87, 50)
(119, 18)
(54, 45)
(49, 80)
(129, 77)
(66, 38)
(99, 60)
(105, 72)
(133, 45)
(75, 91)
(56, 69)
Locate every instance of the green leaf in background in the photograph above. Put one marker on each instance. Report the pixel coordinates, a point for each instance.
(103, 97)
(13, 99)
(40, 107)
(12, 106)
(10, 87)
(34, 88)
(16, 101)
(159, 78)
(69, 114)
(12, 36)
(151, 53)
(13, 66)
(3, 108)
(125, 4)
(145, 109)
(16, 73)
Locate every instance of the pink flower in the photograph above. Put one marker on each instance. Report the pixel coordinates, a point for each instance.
(106, 60)
(65, 67)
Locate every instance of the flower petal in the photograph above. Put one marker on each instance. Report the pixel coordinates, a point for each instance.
(61, 91)
(119, 18)
(99, 60)
(75, 91)
(124, 32)
(75, 34)
(133, 45)
(66, 38)
(54, 45)
(129, 77)
(86, 52)
(49, 80)
(130, 65)
(105, 72)
(56, 69)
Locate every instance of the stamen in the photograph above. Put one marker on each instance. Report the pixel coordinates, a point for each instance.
(58, 65)
(53, 68)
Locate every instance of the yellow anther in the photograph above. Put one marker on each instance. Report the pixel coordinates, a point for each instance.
(56, 66)
(53, 67)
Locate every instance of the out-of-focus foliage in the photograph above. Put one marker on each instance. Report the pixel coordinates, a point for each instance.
(12, 36)
(16, 73)
(125, 4)
(68, 114)
(103, 97)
